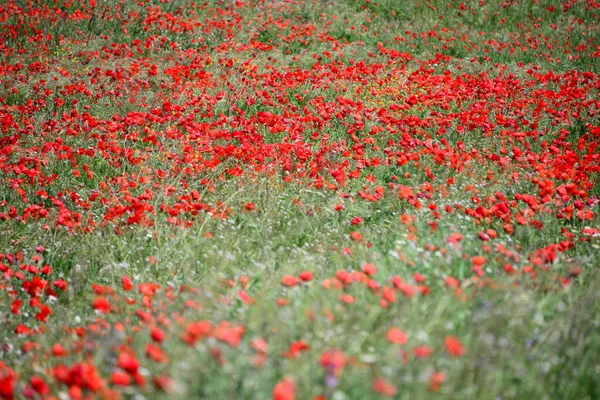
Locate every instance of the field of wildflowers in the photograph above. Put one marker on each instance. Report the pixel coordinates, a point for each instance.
(300, 199)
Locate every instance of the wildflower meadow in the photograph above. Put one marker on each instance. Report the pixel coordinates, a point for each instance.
(300, 199)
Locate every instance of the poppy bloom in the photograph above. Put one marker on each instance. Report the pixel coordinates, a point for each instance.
(333, 361)
(120, 378)
(356, 236)
(39, 385)
(369, 269)
(289, 281)
(128, 362)
(306, 276)
(397, 336)
(297, 348)
(384, 388)
(356, 221)
(127, 284)
(101, 304)
(453, 346)
(436, 380)
(284, 390)
(157, 335)
(8, 379)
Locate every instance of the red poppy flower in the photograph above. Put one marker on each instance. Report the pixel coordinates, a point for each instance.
(284, 390)
(397, 336)
(101, 304)
(289, 281)
(383, 387)
(453, 346)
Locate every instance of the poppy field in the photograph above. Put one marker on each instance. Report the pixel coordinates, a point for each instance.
(299, 199)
